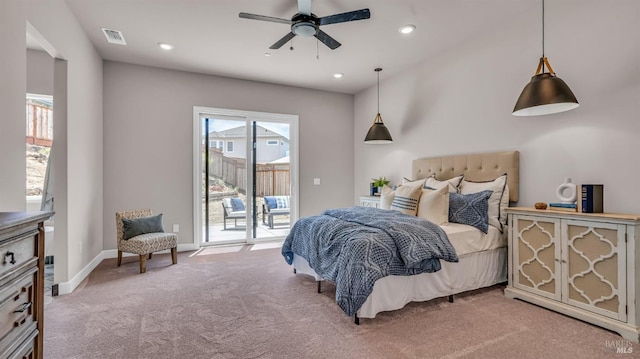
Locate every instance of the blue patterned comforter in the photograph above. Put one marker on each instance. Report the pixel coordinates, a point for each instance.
(354, 247)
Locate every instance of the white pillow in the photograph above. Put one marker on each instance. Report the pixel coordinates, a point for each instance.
(452, 183)
(504, 203)
(406, 199)
(406, 181)
(386, 197)
(434, 205)
(496, 212)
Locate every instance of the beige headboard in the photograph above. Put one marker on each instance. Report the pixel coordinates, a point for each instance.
(474, 167)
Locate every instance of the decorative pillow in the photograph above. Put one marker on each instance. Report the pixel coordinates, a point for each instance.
(504, 204)
(137, 226)
(386, 197)
(406, 181)
(497, 186)
(237, 204)
(471, 209)
(452, 183)
(406, 199)
(434, 205)
(282, 201)
(271, 202)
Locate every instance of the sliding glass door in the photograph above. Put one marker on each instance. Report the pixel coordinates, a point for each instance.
(246, 174)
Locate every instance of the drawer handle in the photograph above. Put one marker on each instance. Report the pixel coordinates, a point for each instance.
(25, 306)
(10, 254)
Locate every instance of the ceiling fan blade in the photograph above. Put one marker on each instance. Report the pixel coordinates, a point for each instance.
(282, 41)
(245, 15)
(345, 16)
(304, 7)
(327, 40)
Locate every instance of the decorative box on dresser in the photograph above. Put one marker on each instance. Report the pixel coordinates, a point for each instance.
(585, 265)
(370, 201)
(22, 284)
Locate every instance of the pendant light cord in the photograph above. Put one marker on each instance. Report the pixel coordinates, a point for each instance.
(378, 71)
(543, 35)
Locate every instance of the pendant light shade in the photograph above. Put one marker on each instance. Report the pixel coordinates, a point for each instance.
(546, 93)
(378, 133)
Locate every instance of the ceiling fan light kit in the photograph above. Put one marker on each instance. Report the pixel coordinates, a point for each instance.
(378, 133)
(306, 24)
(546, 93)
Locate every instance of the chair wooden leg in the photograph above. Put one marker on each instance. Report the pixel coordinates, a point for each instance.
(119, 258)
(143, 263)
(150, 254)
(174, 255)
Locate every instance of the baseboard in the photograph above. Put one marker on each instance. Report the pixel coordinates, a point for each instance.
(70, 286)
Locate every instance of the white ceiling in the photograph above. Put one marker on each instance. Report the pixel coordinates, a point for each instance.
(210, 38)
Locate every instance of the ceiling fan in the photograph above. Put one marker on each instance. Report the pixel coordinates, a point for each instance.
(307, 24)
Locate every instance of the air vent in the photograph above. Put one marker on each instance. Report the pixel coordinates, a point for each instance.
(114, 36)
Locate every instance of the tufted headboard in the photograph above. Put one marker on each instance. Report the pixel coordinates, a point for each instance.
(474, 167)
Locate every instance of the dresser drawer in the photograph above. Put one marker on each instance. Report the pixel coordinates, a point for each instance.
(27, 347)
(16, 253)
(17, 308)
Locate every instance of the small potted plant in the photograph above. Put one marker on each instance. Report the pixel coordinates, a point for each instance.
(377, 184)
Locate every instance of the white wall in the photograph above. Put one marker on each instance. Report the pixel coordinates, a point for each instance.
(148, 114)
(39, 73)
(461, 102)
(79, 183)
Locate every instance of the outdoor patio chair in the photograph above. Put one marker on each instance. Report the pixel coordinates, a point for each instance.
(274, 206)
(234, 209)
(142, 233)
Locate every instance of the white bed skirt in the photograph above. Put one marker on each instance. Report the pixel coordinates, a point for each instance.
(473, 271)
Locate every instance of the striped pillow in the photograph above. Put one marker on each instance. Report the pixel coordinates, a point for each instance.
(406, 199)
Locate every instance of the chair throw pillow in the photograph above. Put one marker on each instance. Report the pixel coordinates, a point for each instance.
(271, 202)
(237, 205)
(137, 226)
(471, 209)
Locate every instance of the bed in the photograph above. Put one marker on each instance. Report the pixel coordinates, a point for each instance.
(482, 257)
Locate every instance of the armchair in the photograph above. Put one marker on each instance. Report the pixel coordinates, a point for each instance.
(146, 243)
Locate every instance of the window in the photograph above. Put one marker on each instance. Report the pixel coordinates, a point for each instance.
(229, 146)
(272, 142)
(220, 145)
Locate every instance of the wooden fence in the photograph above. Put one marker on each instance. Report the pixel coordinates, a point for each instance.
(39, 124)
(271, 179)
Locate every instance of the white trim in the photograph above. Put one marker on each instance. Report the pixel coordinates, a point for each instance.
(70, 286)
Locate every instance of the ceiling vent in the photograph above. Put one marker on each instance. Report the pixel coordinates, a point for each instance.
(114, 36)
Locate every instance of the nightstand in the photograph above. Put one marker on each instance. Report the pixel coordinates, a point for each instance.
(370, 201)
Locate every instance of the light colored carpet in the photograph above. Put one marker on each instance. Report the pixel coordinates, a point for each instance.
(249, 304)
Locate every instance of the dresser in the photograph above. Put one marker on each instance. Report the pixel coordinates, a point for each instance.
(583, 265)
(370, 201)
(22, 284)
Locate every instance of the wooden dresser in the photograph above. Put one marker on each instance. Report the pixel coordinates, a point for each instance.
(22, 284)
(585, 265)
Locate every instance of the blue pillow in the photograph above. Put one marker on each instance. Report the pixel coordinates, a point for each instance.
(237, 204)
(271, 202)
(471, 209)
(137, 226)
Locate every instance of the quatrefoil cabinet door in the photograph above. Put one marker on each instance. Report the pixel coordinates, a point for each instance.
(536, 255)
(593, 263)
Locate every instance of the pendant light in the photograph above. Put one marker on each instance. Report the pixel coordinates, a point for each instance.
(545, 93)
(378, 133)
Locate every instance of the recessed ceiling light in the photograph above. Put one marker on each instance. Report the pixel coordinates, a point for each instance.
(407, 29)
(165, 46)
(267, 54)
(338, 75)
